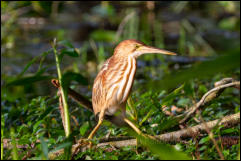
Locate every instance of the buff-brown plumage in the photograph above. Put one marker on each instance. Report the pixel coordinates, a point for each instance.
(113, 83)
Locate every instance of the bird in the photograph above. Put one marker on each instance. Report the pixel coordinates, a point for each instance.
(113, 83)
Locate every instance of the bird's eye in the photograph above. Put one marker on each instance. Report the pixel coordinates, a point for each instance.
(137, 46)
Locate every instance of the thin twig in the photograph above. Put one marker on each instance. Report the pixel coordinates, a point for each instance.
(210, 95)
(210, 134)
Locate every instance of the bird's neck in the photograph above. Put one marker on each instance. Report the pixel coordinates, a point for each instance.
(124, 58)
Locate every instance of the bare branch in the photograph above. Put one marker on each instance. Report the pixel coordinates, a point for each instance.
(176, 136)
(210, 95)
(76, 96)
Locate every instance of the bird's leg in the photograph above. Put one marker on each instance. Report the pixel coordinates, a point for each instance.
(83, 142)
(137, 130)
(101, 119)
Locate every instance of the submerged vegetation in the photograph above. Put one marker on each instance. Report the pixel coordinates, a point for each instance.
(69, 41)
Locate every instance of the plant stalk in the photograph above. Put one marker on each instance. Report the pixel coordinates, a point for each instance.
(64, 94)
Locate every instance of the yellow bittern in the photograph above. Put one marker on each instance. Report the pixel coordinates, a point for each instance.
(113, 83)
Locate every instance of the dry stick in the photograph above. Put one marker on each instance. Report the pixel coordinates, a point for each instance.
(169, 136)
(210, 95)
(61, 109)
(76, 96)
(179, 135)
(176, 136)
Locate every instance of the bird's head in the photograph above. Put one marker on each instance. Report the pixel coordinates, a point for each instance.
(136, 48)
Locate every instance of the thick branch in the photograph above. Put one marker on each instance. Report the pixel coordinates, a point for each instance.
(176, 136)
(172, 137)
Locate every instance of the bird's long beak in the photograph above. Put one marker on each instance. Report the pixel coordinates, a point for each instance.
(149, 49)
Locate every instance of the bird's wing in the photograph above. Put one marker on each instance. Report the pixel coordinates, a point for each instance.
(120, 79)
(113, 83)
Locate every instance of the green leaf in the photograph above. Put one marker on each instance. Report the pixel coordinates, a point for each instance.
(36, 126)
(177, 92)
(84, 128)
(44, 148)
(65, 43)
(183, 102)
(70, 52)
(200, 70)
(147, 116)
(61, 146)
(40, 69)
(168, 123)
(204, 140)
(69, 76)
(164, 151)
(28, 65)
(28, 80)
(50, 109)
(227, 131)
(43, 55)
(204, 147)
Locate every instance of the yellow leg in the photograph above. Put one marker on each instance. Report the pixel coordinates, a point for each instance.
(137, 130)
(101, 119)
(83, 142)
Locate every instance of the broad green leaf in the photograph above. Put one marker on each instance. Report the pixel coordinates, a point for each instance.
(200, 70)
(183, 102)
(84, 128)
(164, 151)
(230, 130)
(70, 52)
(65, 43)
(204, 140)
(204, 147)
(69, 76)
(28, 80)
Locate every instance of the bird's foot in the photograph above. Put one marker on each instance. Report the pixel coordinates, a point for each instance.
(81, 145)
(85, 143)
